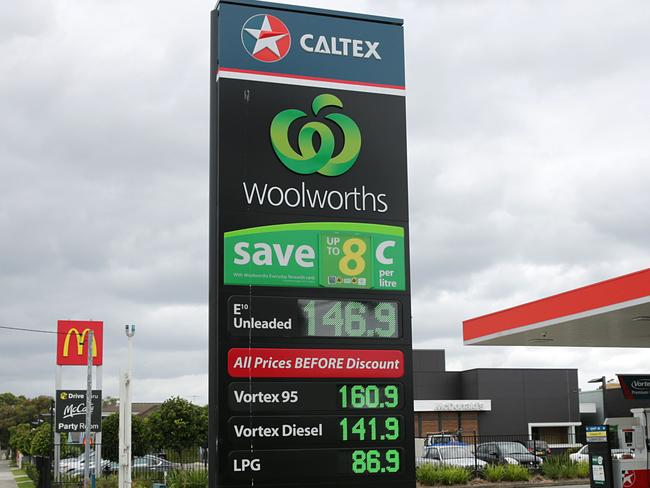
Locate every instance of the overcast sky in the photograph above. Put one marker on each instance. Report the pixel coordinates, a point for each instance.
(529, 164)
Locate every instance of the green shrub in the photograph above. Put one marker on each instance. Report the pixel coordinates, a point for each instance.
(552, 470)
(430, 474)
(454, 475)
(572, 470)
(142, 483)
(31, 471)
(106, 482)
(515, 472)
(147, 477)
(41, 440)
(582, 469)
(557, 467)
(187, 479)
(494, 473)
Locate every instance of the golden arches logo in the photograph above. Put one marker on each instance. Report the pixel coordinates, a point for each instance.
(80, 342)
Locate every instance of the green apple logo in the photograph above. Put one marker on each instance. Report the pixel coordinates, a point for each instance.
(309, 160)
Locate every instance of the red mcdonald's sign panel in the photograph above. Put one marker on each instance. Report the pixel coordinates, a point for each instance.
(72, 342)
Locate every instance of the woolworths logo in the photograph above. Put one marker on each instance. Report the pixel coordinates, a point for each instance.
(310, 160)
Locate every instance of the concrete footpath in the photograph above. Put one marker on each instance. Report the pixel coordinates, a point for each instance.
(6, 478)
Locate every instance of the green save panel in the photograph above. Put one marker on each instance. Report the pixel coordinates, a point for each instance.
(316, 254)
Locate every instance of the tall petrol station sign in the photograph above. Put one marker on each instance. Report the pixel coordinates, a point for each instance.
(310, 310)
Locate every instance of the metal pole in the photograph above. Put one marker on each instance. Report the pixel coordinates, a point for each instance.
(130, 331)
(89, 394)
(475, 458)
(124, 480)
(57, 435)
(121, 474)
(604, 382)
(98, 434)
(51, 460)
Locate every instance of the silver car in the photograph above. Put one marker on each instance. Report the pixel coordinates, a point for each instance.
(455, 455)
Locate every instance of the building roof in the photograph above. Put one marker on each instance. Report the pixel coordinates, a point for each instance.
(142, 409)
(611, 313)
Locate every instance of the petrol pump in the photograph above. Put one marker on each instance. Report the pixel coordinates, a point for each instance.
(631, 465)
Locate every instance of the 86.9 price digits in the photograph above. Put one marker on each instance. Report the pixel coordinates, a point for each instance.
(374, 461)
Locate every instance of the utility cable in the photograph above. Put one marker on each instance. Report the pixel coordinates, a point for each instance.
(26, 329)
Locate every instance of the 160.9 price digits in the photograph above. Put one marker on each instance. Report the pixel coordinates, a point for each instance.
(369, 396)
(373, 461)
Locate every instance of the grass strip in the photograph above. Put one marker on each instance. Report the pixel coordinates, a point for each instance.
(22, 480)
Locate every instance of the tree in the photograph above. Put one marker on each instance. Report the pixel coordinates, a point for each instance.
(178, 425)
(15, 410)
(110, 401)
(20, 438)
(110, 437)
(42, 440)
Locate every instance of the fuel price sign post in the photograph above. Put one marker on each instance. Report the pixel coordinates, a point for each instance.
(310, 329)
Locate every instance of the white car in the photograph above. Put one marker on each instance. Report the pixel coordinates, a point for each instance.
(582, 456)
(455, 455)
(75, 462)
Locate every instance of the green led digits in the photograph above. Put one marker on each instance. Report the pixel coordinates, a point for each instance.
(369, 396)
(347, 318)
(370, 428)
(375, 461)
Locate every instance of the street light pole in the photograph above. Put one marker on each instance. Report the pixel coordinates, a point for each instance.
(124, 474)
(89, 394)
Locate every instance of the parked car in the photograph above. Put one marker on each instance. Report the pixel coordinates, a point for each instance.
(441, 439)
(108, 467)
(455, 455)
(68, 464)
(507, 453)
(150, 462)
(539, 448)
(582, 456)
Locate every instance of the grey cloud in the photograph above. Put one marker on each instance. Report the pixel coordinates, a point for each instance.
(528, 156)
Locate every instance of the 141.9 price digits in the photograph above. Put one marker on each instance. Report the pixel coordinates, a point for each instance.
(369, 428)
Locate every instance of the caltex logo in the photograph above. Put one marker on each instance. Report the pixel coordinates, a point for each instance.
(266, 38)
(629, 477)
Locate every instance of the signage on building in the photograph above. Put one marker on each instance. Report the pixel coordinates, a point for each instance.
(70, 411)
(310, 320)
(453, 405)
(635, 386)
(72, 342)
(596, 433)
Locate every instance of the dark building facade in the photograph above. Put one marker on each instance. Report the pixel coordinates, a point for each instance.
(598, 405)
(540, 403)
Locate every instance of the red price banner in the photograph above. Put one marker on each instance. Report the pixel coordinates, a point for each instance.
(315, 363)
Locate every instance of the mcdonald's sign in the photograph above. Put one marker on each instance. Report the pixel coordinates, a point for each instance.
(72, 342)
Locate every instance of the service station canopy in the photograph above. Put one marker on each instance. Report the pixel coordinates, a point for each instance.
(612, 313)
